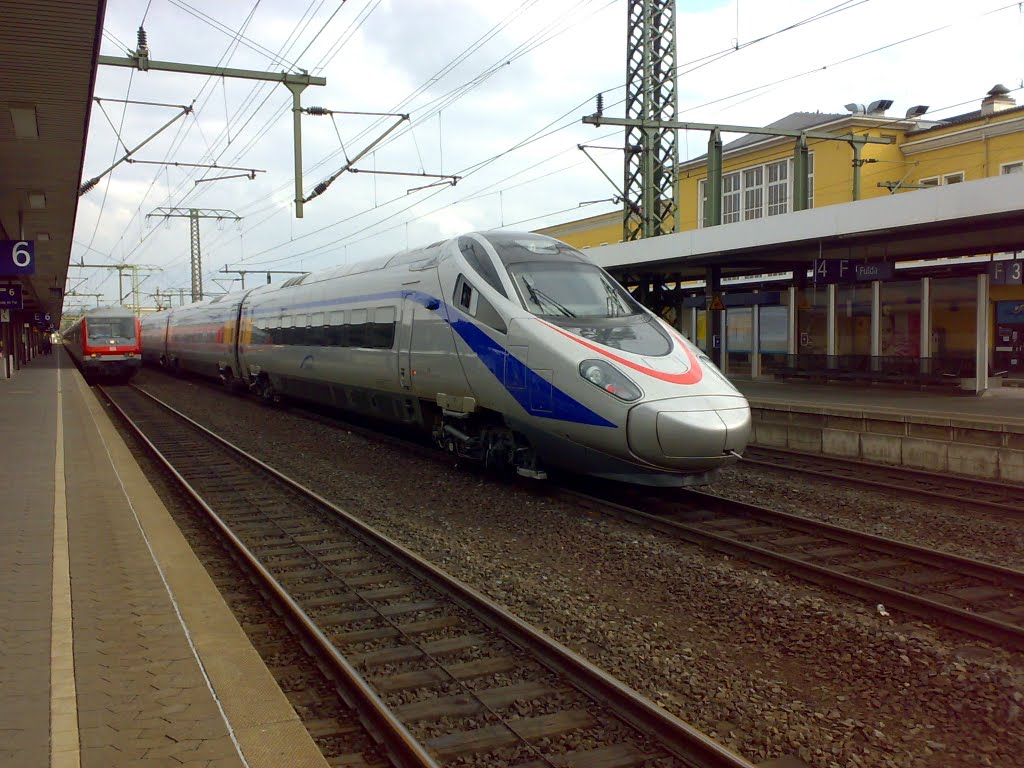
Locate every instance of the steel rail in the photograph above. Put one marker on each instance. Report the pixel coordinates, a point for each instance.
(378, 718)
(1014, 507)
(678, 737)
(966, 621)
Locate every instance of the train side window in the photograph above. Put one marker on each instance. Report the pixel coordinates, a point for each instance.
(383, 327)
(478, 306)
(336, 329)
(465, 296)
(358, 329)
(318, 331)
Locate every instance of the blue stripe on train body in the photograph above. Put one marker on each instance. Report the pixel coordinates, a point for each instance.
(537, 396)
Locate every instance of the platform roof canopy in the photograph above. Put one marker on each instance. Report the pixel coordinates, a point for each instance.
(976, 217)
(47, 69)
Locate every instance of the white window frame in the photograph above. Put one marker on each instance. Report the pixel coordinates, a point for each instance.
(753, 193)
(732, 197)
(957, 177)
(741, 193)
(782, 201)
(810, 180)
(1005, 169)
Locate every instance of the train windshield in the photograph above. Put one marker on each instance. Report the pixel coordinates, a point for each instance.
(565, 289)
(111, 328)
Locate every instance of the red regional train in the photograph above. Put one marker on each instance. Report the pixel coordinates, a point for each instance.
(106, 344)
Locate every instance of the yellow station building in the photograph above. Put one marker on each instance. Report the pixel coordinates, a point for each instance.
(757, 183)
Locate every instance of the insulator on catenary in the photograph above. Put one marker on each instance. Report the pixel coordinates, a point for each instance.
(320, 188)
(317, 111)
(600, 103)
(143, 42)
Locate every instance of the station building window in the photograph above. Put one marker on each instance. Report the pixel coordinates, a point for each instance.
(739, 325)
(702, 334)
(756, 192)
(812, 320)
(954, 305)
(900, 323)
(853, 319)
(1008, 168)
(773, 333)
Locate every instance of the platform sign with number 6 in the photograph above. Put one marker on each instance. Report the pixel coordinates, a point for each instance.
(10, 297)
(17, 257)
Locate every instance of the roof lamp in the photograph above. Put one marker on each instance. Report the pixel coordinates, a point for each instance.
(24, 118)
(37, 200)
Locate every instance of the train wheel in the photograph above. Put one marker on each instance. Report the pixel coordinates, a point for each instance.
(268, 394)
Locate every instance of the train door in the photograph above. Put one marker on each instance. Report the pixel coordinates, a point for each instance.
(406, 320)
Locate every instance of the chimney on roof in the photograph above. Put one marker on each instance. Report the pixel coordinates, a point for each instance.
(878, 107)
(997, 100)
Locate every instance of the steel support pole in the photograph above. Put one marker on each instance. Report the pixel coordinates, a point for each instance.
(857, 147)
(981, 335)
(713, 318)
(755, 341)
(830, 342)
(925, 343)
(791, 321)
(197, 257)
(713, 186)
(876, 323)
(801, 196)
(297, 89)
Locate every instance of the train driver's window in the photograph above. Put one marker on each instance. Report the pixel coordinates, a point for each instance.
(476, 305)
(465, 297)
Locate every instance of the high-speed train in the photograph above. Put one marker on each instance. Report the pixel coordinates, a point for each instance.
(104, 343)
(511, 348)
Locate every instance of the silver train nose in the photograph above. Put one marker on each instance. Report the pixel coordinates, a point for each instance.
(698, 432)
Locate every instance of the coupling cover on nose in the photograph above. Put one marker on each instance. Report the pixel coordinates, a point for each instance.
(689, 427)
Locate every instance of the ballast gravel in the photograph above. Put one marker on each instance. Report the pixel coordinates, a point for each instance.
(768, 665)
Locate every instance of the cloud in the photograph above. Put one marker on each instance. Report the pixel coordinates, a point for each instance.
(394, 47)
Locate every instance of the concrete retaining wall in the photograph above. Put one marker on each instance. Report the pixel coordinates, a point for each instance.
(990, 451)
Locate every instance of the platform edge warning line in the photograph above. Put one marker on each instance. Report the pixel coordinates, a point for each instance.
(65, 751)
(229, 726)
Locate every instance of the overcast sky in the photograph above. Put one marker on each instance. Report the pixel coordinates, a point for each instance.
(495, 90)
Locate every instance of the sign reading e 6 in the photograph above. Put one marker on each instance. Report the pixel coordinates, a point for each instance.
(17, 257)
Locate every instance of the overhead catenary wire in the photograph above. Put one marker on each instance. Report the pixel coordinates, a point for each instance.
(567, 125)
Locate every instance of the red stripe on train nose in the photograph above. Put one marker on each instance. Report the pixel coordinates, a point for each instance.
(691, 376)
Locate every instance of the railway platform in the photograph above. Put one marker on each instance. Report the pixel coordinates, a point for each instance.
(116, 648)
(936, 431)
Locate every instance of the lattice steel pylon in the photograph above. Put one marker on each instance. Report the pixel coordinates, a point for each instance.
(194, 215)
(652, 154)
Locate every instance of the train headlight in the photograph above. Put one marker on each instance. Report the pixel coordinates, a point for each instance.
(605, 376)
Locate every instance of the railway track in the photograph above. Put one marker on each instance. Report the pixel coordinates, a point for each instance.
(439, 674)
(969, 595)
(955, 489)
